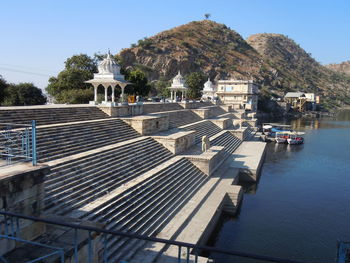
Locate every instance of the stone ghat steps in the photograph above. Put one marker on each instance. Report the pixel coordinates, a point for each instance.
(216, 111)
(147, 206)
(202, 128)
(60, 141)
(228, 140)
(48, 115)
(75, 183)
(180, 117)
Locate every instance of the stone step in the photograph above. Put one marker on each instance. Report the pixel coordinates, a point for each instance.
(202, 128)
(51, 115)
(61, 171)
(95, 180)
(62, 150)
(127, 249)
(158, 209)
(62, 141)
(100, 177)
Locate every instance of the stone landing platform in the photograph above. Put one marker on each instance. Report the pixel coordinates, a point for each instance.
(248, 158)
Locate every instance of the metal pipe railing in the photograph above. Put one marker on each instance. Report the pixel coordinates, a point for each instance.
(179, 244)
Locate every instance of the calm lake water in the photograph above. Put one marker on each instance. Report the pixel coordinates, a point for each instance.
(301, 205)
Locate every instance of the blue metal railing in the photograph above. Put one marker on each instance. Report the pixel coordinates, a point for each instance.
(9, 229)
(17, 143)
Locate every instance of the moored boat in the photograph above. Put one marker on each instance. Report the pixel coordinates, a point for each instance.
(295, 138)
(282, 137)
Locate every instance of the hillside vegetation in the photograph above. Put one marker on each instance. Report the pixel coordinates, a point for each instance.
(276, 62)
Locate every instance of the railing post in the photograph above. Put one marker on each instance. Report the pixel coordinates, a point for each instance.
(34, 161)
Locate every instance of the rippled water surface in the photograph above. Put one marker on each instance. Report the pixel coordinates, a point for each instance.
(301, 205)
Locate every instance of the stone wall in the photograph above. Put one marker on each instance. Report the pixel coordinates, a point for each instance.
(203, 113)
(147, 125)
(177, 142)
(223, 123)
(208, 161)
(159, 107)
(22, 191)
(124, 110)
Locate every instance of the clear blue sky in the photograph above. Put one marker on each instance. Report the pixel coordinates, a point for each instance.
(38, 35)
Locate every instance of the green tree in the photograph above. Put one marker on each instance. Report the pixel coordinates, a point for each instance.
(70, 81)
(207, 15)
(139, 82)
(3, 86)
(195, 82)
(23, 94)
(162, 86)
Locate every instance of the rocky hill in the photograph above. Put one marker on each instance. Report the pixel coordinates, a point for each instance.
(343, 67)
(273, 60)
(203, 46)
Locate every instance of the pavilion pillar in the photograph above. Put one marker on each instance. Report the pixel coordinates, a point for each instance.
(182, 95)
(95, 92)
(106, 89)
(171, 96)
(113, 97)
(122, 86)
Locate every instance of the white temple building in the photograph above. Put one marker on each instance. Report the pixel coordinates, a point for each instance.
(209, 90)
(178, 85)
(108, 76)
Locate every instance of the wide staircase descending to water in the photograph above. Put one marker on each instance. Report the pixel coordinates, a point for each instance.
(147, 206)
(48, 115)
(102, 170)
(75, 183)
(55, 142)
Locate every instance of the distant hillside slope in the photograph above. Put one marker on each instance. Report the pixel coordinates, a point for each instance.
(296, 69)
(343, 67)
(203, 46)
(274, 61)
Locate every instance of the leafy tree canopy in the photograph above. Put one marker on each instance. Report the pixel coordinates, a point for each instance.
(139, 82)
(23, 94)
(3, 86)
(69, 86)
(195, 82)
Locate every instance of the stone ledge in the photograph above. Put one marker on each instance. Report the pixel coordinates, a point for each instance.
(223, 123)
(176, 142)
(208, 161)
(148, 124)
(203, 113)
(123, 110)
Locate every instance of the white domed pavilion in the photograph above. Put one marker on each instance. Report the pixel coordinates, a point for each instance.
(108, 76)
(178, 85)
(209, 90)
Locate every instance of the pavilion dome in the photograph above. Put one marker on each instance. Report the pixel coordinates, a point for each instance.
(108, 66)
(179, 80)
(208, 86)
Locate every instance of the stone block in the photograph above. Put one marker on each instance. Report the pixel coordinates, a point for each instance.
(147, 125)
(223, 123)
(21, 191)
(208, 161)
(123, 110)
(203, 113)
(177, 142)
